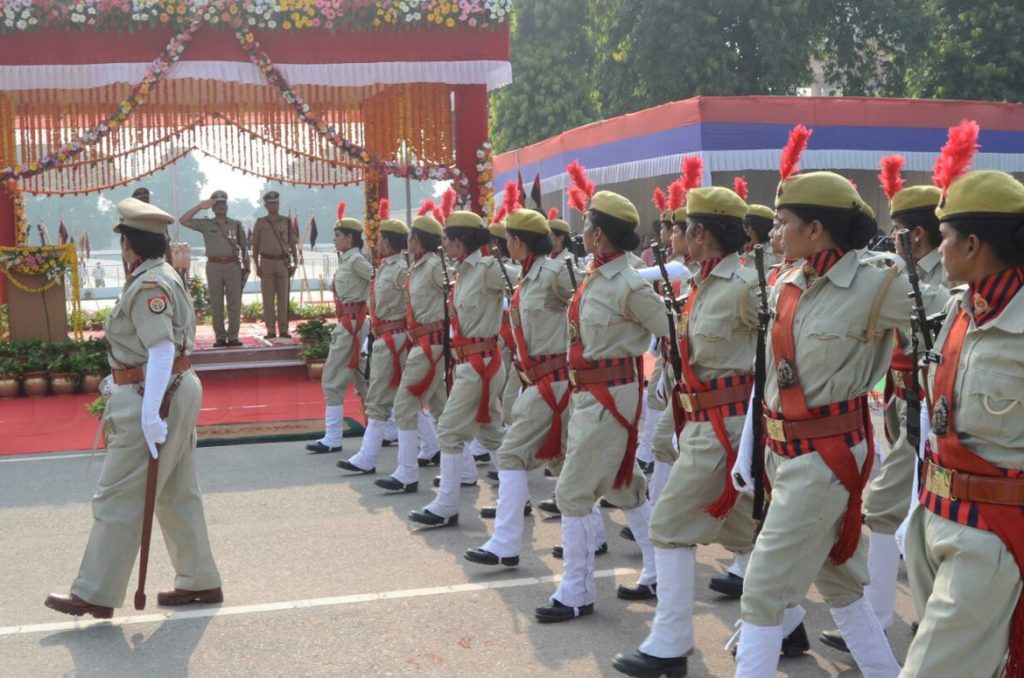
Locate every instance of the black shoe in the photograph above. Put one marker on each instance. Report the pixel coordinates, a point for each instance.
(389, 442)
(604, 503)
(484, 458)
(425, 517)
(913, 628)
(833, 639)
(482, 557)
(490, 512)
(319, 448)
(548, 473)
(432, 461)
(234, 342)
(270, 336)
(729, 585)
(346, 465)
(796, 643)
(646, 466)
(220, 343)
(285, 335)
(625, 532)
(549, 506)
(638, 592)
(645, 666)
(437, 482)
(556, 551)
(493, 475)
(557, 612)
(395, 485)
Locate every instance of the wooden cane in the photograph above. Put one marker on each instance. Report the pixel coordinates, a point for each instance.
(147, 528)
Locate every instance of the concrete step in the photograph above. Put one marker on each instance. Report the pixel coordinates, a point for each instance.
(245, 355)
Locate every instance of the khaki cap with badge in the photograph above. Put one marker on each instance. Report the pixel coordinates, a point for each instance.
(218, 196)
(142, 216)
(271, 196)
(982, 193)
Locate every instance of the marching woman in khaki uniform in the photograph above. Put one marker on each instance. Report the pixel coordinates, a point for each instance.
(537, 430)
(422, 384)
(699, 505)
(387, 324)
(152, 410)
(611, 319)
(758, 225)
(351, 287)
(829, 343)
(512, 386)
(561, 236)
(965, 544)
(473, 408)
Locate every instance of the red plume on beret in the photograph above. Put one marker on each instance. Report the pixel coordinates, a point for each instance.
(384, 211)
(676, 195)
(957, 154)
(552, 213)
(447, 203)
(578, 173)
(499, 215)
(739, 185)
(426, 208)
(578, 199)
(510, 203)
(341, 209)
(660, 200)
(890, 177)
(789, 161)
(693, 172)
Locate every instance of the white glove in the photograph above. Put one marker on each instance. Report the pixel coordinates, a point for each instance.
(158, 376)
(740, 475)
(926, 431)
(106, 386)
(676, 271)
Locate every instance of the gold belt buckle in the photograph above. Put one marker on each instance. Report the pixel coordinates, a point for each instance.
(572, 377)
(940, 481)
(687, 402)
(776, 429)
(899, 379)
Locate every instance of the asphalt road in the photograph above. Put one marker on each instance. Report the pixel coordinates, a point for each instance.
(324, 576)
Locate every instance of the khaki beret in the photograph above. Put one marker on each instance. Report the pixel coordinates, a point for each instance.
(530, 221)
(715, 201)
(820, 189)
(762, 212)
(666, 215)
(394, 226)
(914, 198)
(428, 225)
(464, 219)
(615, 205)
(497, 230)
(679, 216)
(982, 193)
(560, 226)
(349, 224)
(142, 216)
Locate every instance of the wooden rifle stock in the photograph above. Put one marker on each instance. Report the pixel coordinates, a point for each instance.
(760, 368)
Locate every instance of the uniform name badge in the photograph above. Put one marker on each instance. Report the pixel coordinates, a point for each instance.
(786, 373)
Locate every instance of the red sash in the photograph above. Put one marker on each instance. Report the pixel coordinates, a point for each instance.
(834, 451)
(352, 321)
(388, 338)
(551, 448)
(420, 388)
(624, 476)
(486, 371)
(1006, 522)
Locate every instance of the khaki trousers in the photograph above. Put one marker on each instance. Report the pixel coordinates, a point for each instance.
(513, 385)
(225, 284)
(664, 432)
(275, 284)
(380, 396)
(967, 583)
(457, 425)
(407, 406)
(117, 506)
(594, 451)
(337, 374)
(696, 480)
(888, 495)
(791, 553)
(531, 422)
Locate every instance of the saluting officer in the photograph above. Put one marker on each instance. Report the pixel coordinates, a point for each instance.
(154, 399)
(273, 249)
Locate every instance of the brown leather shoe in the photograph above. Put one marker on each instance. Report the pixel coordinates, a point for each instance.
(75, 606)
(183, 597)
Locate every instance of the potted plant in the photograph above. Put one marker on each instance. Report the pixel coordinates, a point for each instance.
(63, 370)
(35, 361)
(10, 377)
(315, 355)
(314, 330)
(93, 366)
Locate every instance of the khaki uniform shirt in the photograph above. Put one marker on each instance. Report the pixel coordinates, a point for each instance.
(930, 269)
(544, 295)
(265, 242)
(154, 306)
(388, 300)
(479, 290)
(843, 328)
(619, 312)
(352, 279)
(426, 289)
(222, 239)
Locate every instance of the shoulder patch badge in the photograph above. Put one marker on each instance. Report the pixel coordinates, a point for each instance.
(157, 304)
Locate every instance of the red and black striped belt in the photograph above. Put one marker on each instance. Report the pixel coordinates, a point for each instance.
(731, 393)
(471, 346)
(542, 367)
(612, 371)
(791, 438)
(388, 327)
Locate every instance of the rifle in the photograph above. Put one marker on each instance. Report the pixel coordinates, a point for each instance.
(446, 339)
(764, 314)
(509, 287)
(572, 272)
(369, 334)
(671, 308)
(575, 247)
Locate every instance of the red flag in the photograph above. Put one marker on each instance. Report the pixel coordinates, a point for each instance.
(313, 233)
(535, 194)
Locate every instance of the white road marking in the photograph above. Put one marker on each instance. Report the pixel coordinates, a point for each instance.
(49, 457)
(297, 604)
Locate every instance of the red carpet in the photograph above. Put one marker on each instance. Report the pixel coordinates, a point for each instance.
(233, 406)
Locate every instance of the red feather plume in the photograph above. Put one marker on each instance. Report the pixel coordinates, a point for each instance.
(426, 208)
(341, 209)
(693, 172)
(890, 177)
(676, 195)
(739, 184)
(384, 211)
(499, 215)
(510, 203)
(447, 202)
(660, 200)
(957, 154)
(440, 215)
(789, 161)
(552, 213)
(578, 173)
(578, 199)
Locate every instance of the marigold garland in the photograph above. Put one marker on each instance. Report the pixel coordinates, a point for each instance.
(49, 261)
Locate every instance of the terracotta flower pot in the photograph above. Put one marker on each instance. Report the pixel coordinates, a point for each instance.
(36, 384)
(315, 370)
(9, 386)
(63, 383)
(91, 383)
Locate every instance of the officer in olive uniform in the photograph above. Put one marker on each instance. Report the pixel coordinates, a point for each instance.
(273, 249)
(154, 399)
(227, 263)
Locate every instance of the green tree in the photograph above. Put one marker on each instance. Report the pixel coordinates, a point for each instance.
(976, 51)
(552, 67)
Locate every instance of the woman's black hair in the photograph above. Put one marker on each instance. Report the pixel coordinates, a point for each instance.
(727, 231)
(759, 226)
(357, 238)
(850, 228)
(470, 237)
(1004, 234)
(429, 241)
(502, 246)
(396, 241)
(621, 233)
(145, 244)
(537, 243)
(925, 218)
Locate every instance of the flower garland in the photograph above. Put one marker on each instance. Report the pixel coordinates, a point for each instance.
(373, 163)
(287, 15)
(50, 261)
(154, 74)
(20, 220)
(485, 178)
(371, 225)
